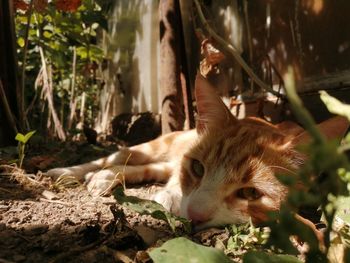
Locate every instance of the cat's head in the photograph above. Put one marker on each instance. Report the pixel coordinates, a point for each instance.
(228, 176)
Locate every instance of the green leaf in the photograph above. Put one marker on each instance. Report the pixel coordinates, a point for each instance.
(183, 250)
(343, 210)
(335, 106)
(82, 52)
(263, 257)
(47, 34)
(28, 136)
(20, 137)
(20, 41)
(148, 207)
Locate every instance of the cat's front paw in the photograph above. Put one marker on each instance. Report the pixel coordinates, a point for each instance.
(102, 182)
(57, 172)
(169, 199)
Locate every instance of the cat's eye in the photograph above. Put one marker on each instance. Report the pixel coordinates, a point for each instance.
(249, 193)
(197, 168)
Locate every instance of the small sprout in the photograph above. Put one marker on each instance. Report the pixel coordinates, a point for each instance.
(22, 141)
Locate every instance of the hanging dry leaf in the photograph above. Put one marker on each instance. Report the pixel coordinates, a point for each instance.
(212, 57)
(68, 5)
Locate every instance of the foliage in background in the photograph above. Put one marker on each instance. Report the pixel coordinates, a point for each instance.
(66, 32)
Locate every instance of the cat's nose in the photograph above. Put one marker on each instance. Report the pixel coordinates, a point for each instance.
(198, 216)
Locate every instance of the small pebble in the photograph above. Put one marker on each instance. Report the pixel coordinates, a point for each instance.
(49, 195)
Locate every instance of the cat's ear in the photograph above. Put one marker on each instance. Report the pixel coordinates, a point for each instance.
(332, 128)
(212, 112)
(289, 128)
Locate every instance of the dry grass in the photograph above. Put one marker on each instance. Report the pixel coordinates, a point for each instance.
(32, 182)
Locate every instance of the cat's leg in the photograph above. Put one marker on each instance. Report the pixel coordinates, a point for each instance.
(103, 181)
(154, 151)
(80, 171)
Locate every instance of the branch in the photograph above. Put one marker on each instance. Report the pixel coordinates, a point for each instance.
(233, 52)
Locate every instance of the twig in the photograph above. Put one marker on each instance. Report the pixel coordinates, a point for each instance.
(231, 50)
(54, 201)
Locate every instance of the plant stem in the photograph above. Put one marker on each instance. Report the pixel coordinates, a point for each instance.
(299, 110)
(21, 153)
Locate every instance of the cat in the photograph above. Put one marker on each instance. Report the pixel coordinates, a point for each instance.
(222, 172)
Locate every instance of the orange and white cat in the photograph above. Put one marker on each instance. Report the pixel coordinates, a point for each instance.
(223, 172)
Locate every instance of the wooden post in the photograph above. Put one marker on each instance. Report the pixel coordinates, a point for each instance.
(170, 72)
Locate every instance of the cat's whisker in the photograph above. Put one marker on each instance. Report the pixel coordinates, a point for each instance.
(282, 168)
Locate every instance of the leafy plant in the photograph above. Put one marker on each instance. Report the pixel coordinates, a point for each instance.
(152, 208)
(57, 46)
(324, 157)
(183, 250)
(22, 141)
(245, 237)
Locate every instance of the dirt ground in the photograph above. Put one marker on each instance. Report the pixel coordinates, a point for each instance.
(40, 224)
(42, 221)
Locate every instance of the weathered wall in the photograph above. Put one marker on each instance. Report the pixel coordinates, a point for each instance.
(310, 35)
(131, 69)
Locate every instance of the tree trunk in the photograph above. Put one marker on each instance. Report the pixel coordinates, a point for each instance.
(170, 73)
(8, 76)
